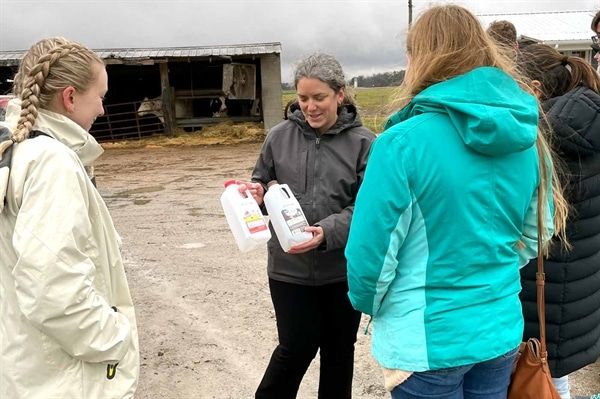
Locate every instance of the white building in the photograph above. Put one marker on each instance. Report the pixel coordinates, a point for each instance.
(568, 31)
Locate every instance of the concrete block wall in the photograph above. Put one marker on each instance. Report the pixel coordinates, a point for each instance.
(270, 73)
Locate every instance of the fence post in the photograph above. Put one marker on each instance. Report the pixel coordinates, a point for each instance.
(112, 137)
(167, 99)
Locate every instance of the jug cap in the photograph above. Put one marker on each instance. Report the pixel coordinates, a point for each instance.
(228, 183)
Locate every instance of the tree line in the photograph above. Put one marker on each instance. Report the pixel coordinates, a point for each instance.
(383, 79)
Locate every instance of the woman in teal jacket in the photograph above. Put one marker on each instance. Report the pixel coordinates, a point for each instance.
(447, 214)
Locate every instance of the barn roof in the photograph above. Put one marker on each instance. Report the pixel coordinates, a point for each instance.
(554, 27)
(9, 58)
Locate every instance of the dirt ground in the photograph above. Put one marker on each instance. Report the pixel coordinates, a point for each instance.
(207, 328)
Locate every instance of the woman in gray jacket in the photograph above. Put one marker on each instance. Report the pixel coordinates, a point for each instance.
(320, 151)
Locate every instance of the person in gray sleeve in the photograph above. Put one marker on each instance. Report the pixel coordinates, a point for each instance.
(320, 150)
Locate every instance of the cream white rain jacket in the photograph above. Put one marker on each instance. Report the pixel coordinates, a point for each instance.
(61, 273)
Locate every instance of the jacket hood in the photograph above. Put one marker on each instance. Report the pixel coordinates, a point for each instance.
(60, 128)
(54, 125)
(575, 121)
(13, 110)
(347, 118)
(491, 113)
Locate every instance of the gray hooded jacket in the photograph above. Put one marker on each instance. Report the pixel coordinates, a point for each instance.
(324, 172)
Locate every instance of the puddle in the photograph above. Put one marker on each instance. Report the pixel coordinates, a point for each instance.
(204, 212)
(141, 190)
(199, 169)
(190, 188)
(195, 211)
(182, 179)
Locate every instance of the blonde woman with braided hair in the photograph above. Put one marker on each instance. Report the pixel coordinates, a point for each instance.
(14, 105)
(447, 214)
(68, 324)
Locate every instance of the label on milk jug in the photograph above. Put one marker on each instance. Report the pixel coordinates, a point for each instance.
(294, 219)
(254, 221)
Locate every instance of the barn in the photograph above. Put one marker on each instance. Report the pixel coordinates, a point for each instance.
(158, 89)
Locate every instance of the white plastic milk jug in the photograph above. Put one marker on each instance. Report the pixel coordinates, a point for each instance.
(286, 216)
(244, 218)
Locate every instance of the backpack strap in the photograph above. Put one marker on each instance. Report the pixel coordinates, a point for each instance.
(37, 133)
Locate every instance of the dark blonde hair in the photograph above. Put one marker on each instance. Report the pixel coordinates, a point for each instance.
(447, 41)
(49, 66)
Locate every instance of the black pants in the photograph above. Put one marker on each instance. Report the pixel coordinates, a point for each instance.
(308, 319)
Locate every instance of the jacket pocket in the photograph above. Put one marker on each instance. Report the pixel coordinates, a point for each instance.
(54, 356)
(299, 182)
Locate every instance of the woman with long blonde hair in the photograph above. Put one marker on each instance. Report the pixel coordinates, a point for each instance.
(447, 214)
(68, 323)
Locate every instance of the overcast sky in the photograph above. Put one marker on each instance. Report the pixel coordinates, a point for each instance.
(365, 35)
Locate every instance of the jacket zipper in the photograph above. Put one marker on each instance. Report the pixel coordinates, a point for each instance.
(314, 198)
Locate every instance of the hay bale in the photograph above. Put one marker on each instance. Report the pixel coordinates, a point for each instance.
(222, 133)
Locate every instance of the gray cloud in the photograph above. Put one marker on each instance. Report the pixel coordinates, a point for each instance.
(365, 35)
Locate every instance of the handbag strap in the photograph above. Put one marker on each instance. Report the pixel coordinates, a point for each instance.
(540, 276)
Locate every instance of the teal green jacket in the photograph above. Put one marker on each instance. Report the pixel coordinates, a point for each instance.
(450, 190)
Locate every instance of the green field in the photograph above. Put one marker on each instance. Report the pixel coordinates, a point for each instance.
(372, 104)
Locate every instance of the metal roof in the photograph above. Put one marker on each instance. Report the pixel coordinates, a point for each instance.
(13, 57)
(555, 27)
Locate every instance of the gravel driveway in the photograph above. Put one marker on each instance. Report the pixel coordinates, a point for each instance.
(205, 317)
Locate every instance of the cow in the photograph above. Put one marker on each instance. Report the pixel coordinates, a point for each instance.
(151, 107)
(218, 107)
(183, 107)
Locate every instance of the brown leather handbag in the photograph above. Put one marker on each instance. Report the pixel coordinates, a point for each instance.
(531, 378)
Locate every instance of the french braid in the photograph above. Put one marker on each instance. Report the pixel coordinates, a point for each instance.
(67, 64)
(30, 59)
